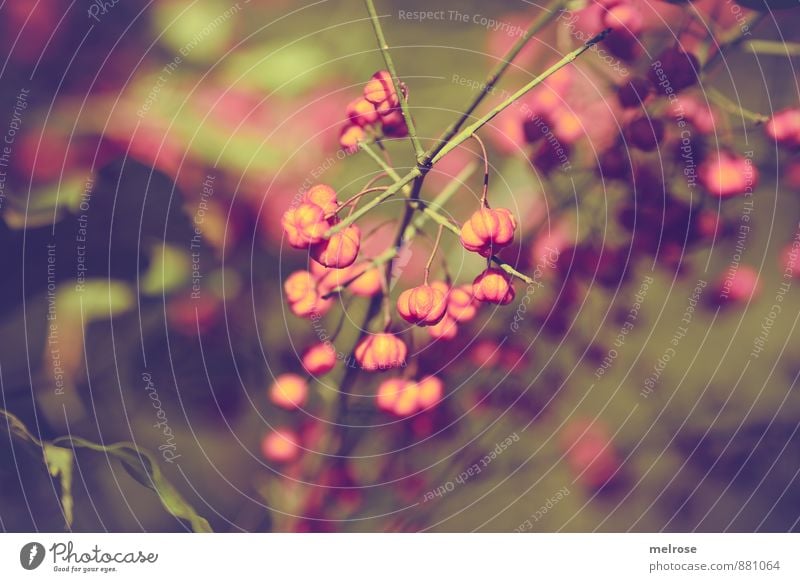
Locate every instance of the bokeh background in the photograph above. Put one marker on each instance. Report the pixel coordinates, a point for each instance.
(150, 150)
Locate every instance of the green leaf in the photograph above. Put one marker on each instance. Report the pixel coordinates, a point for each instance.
(170, 267)
(96, 299)
(196, 31)
(46, 204)
(59, 463)
(288, 68)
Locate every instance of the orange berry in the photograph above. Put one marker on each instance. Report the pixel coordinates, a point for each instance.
(340, 250)
(488, 230)
(298, 285)
(388, 393)
(323, 196)
(281, 445)
(319, 359)
(289, 391)
(407, 400)
(423, 305)
(493, 286)
(350, 136)
(368, 282)
(381, 351)
(446, 329)
(361, 112)
(303, 297)
(380, 88)
(461, 304)
(430, 392)
(304, 225)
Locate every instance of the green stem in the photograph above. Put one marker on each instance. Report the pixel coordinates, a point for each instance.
(772, 48)
(538, 24)
(387, 58)
(367, 148)
(731, 106)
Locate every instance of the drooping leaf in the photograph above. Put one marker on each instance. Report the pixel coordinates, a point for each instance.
(139, 463)
(59, 463)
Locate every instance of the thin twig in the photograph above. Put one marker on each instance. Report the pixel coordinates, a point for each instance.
(468, 131)
(485, 194)
(550, 12)
(433, 254)
(731, 106)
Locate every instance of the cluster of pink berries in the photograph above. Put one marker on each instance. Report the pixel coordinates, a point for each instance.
(376, 113)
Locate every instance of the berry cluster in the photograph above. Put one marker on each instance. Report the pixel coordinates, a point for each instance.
(375, 114)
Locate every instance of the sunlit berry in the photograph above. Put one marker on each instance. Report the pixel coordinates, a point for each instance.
(388, 393)
(389, 113)
(361, 112)
(289, 391)
(380, 88)
(784, 128)
(350, 136)
(367, 282)
(406, 402)
(461, 304)
(323, 196)
(340, 250)
(624, 17)
(429, 392)
(446, 329)
(493, 286)
(319, 359)
(567, 125)
(304, 225)
(303, 296)
(281, 445)
(423, 305)
(381, 351)
(488, 230)
(724, 174)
